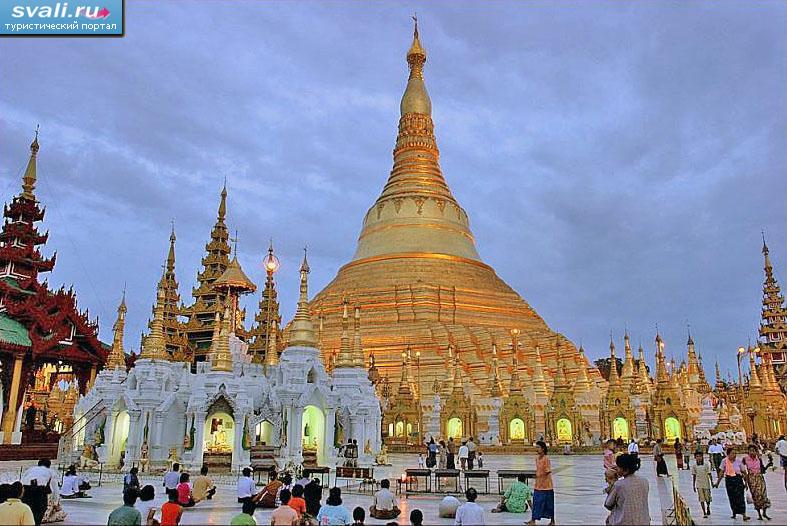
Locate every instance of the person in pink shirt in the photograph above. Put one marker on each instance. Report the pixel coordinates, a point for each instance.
(755, 479)
(184, 491)
(610, 468)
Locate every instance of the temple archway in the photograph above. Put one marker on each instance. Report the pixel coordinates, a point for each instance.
(454, 428)
(219, 432)
(620, 428)
(516, 429)
(671, 429)
(263, 433)
(565, 432)
(399, 429)
(312, 428)
(120, 434)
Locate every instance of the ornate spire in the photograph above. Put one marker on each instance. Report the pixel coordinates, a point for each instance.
(404, 383)
(494, 391)
(358, 358)
(302, 331)
(582, 384)
(773, 326)
(458, 385)
(416, 201)
(614, 379)
(539, 383)
(221, 358)
(268, 311)
(272, 352)
(661, 367)
(175, 341)
(345, 358)
(627, 376)
(642, 371)
(207, 299)
(154, 345)
(754, 379)
(516, 383)
(117, 356)
(29, 178)
(719, 383)
(693, 367)
(561, 381)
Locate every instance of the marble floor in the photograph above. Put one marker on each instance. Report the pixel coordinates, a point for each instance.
(578, 495)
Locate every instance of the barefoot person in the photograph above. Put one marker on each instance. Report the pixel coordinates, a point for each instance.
(628, 499)
(755, 480)
(517, 497)
(781, 450)
(733, 469)
(543, 491)
(385, 503)
(701, 479)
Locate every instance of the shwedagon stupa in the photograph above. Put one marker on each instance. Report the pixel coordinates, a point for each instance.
(420, 281)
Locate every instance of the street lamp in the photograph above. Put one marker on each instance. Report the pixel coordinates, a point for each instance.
(741, 352)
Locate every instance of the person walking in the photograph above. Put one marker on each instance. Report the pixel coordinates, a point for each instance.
(470, 513)
(701, 482)
(13, 510)
(39, 483)
(716, 453)
(442, 455)
(732, 469)
(463, 454)
(628, 499)
(658, 456)
(781, 450)
(678, 453)
(755, 480)
(471, 453)
(333, 513)
(451, 459)
(543, 490)
(431, 453)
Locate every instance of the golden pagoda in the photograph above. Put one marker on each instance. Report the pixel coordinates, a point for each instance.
(417, 274)
(207, 300)
(175, 341)
(773, 327)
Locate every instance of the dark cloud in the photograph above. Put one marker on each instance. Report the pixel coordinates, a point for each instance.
(617, 160)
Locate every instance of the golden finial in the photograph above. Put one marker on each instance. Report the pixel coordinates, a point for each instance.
(117, 356)
(416, 50)
(29, 178)
(302, 332)
(223, 202)
(154, 347)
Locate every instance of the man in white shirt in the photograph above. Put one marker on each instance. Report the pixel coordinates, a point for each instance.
(470, 513)
(781, 449)
(463, 454)
(385, 504)
(471, 449)
(39, 482)
(172, 479)
(716, 452)
(247, 489)
(633, 447)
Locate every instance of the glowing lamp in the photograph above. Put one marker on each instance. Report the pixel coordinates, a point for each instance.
(271, 262)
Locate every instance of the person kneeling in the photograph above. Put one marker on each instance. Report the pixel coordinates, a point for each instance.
(517, 498)
(185, 498)
(384, 506)
(74, 486)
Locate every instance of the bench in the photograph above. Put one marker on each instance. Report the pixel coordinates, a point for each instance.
(413, 475)
(365, 475)
(441, 474)
(478, 474)
(513, 474)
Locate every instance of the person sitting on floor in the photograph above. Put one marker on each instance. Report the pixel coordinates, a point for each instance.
(385, 505)
(517, 497)
(202, 488)
(185, 498)
(171, 511)
(267, 497)
(296, 501)
(359, 516)
(246, 516)
(74, 486)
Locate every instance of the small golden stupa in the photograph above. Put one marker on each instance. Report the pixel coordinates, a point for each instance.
(418, 278)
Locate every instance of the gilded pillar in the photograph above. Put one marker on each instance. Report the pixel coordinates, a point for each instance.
(13, 401)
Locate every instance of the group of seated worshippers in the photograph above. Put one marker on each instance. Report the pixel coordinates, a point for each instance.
(74, 486)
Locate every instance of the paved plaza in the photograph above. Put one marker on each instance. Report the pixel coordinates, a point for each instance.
(578, 495)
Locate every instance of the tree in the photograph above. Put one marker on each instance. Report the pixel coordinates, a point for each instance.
(603, 366)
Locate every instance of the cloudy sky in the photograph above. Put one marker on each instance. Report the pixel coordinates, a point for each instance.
(617, 160)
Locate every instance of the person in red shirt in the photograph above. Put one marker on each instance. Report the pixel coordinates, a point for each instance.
(296, 501)
(184, 492)
(171, 511)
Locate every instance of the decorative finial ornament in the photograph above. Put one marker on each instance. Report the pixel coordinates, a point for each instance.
(416, 99)
(30, 175)
(302, 332)
(223, 203)
(117, 356)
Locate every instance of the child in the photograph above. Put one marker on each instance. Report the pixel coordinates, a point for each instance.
(421, 463)
(480, 460)
(700, 474)
(171, 511)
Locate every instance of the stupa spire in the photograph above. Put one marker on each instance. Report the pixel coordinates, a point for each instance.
(495, 389)
(117, 356)
(642, 371)
(345, 358)
(29, 177)
(582, 384)
(416, 215)
(358, 355)
(628, 372)
(154, 345)
(539, 383)
(516, 383)
(221, 358)
(272, 352)
(754, 379)
(268, 311)
(302, 332)
(773, 326)
(175, 341)
(614, 379)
